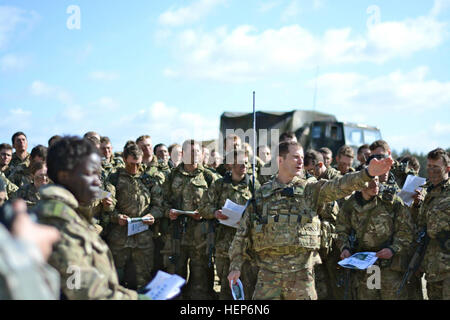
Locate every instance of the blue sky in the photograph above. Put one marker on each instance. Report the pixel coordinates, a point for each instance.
(170, 68)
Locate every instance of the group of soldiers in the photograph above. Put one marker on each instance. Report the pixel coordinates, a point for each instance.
(302, 217)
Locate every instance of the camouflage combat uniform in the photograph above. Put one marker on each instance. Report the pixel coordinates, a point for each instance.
(188, 244)
(435, 216)
(214, 199)
(285, 234)
(378, 223)
(159, 171)
(82, 258)
(24, 275)
(21, 175)
(136, 195)
(11, 188)
(16, 161)
(111, 166)
(29, 193)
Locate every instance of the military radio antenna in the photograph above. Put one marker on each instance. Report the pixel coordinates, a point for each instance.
(254, 144)
(315, 89)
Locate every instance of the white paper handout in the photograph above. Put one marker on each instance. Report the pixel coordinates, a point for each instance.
(135, 227)
(409, 188)
(164, 286)
(360, 260)
(234, 213)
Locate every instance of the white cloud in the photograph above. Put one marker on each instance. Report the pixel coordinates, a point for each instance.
(291, 11)
(106, 104)
(268, 5)
(439, 6)
(10, 20)
(398, 91)
(246, 54)
(405, 101)
(12, 62)
(104, 75)
(39, 88)
(198, 9)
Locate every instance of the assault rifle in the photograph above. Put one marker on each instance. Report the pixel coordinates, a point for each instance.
(422, 240)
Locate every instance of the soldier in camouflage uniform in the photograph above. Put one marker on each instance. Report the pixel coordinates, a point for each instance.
(30, 192)
(237, 187)
(21, 174)
(270, 168)
(82, 258)
(328, 273)
(9, 186)
(110, 164)
(327, 156)
(285, 229)
(434, 215)
(21, 156)
(399, 171)
(344, 160)
(5, 158)
(137, 197)
(184, 190)
(24, 249)
(3, 194)
(389, 185)
(383, 226)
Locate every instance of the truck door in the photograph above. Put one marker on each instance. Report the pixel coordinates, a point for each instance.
(326, 134)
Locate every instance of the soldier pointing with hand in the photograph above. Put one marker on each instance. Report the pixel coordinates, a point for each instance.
(284, 228)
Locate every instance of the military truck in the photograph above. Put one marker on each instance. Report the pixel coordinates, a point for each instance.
(313, 129)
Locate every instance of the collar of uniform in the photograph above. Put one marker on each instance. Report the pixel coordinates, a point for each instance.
(124, 172)
(57, 192)
(363, 204)
(228, 179)
(444, 185)
(15, 156)
(183, 171)
(276, 184)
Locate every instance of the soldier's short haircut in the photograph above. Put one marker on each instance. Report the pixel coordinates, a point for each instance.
(236, 155)
(361, 148)
(346, 151)
(15, 135)
(5, 146)
(283, 148)
(159, 145)
(173, 145)
(105, 140)
(142, 138)
(325, 150)
(413, 162)
(189, 142)
(66, 154)
(380, 144)
(285, 136)
(129, 142)
(39, 151)
(53, 139)
(132, 150)
(313, 156)
(93, 139)
(90, 134)
(36, 166)
(439, 153)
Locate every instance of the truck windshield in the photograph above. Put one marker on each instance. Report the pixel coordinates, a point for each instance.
(357, 136)
(371, 136)
(353, 136)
